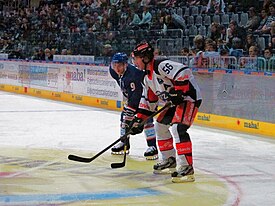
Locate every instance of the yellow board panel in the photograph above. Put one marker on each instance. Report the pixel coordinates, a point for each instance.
(236, 124)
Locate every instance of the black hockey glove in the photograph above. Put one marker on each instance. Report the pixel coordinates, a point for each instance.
(136, 128)
(176, 96)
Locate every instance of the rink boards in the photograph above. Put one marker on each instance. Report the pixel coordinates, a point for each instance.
(205, 119)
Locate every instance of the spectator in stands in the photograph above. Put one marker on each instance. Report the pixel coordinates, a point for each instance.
(251, 62)
(53, 51)
(124, 18)
(235, 30)
(35, 55)
(266, 4)
(253, 20)
(48, 55)
(210, 45)
(272, 29)
(185, 52)
(146, 18)
(220, 44)
(158, 23)
(215, 34)
(199, 43)
(178, 21)
(41, 54)
(46, 26)
(224, 61)
(250, 41)
(271, 17)
(231, 8)
(64, 52)
(215, 6)
(263, 21)
(222, 31)
(107, 50)
(253, 51)
(237, 48)
(267, 53)
(169, 24)
(135, 19)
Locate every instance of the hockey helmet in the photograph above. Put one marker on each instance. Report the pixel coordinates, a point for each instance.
(144, 49)
(120, 57)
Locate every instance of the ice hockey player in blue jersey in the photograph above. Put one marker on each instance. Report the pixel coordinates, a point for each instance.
(129, 79)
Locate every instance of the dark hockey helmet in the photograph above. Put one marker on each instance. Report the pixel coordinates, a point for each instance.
(144, 49)
(120, 58)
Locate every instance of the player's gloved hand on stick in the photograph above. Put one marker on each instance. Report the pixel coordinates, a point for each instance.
(176, 96)
(136, 128)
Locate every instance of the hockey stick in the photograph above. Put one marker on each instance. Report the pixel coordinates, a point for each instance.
(87, 159)
(122, 164)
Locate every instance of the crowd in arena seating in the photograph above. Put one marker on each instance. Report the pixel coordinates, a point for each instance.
(102, 27)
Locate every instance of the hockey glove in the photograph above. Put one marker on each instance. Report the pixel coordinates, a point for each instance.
(176, 96)
(136, 128)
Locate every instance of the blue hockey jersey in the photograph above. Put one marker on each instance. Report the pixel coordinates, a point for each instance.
(131, 85)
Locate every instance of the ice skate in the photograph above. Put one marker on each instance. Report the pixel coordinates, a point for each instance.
(183, 174)
(167, 166)
(119, 149)
(151, 153)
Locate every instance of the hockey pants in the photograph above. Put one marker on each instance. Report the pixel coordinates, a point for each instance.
(171, 131)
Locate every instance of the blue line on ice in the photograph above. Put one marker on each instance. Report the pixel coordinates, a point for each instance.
(71, 197)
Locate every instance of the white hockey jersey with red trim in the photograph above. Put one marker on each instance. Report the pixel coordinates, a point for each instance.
(163, 75)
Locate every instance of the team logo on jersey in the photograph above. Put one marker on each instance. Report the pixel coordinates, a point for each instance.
(163, 95)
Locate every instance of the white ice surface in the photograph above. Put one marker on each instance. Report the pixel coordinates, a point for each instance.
(245, 162)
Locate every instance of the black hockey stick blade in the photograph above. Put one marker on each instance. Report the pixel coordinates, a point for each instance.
(120, 164)
(79, 159)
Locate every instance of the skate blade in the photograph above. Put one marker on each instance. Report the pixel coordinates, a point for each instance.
(120, 152)
(164, 171)
(154, 157)
(183, 179)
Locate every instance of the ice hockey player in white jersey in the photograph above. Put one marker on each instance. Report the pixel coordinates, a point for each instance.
(129, 79)
(167, 80)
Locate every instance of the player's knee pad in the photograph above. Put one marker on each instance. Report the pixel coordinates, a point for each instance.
(179, 132)
(162, 131)
(165, 140)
